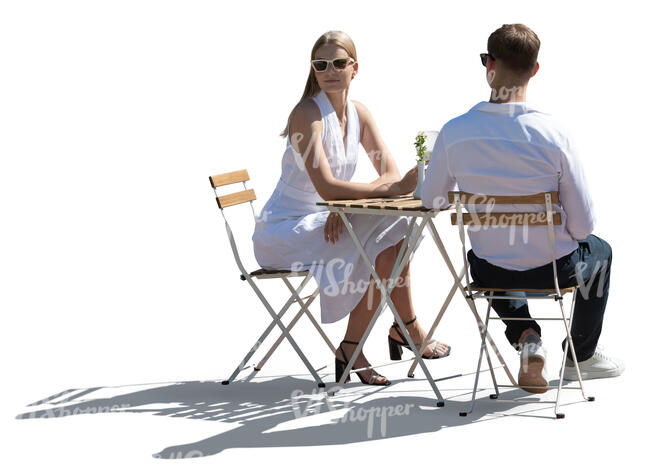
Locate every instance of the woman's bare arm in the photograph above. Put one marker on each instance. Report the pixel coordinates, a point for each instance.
(305, 132)
(375, 147)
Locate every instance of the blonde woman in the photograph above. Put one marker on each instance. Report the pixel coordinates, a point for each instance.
(323, 135)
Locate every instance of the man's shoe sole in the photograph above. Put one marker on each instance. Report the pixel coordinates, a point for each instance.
(533, 379)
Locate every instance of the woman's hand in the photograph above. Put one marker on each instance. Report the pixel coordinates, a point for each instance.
(409, 181)
(333, 227)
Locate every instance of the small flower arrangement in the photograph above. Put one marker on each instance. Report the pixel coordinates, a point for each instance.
(421, 149)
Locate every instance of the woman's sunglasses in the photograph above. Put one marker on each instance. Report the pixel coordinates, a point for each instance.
(320, 65)
(484, 57)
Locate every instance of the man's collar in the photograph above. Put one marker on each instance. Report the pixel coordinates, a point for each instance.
(504, 107)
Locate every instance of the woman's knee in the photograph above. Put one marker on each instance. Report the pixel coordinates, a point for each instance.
(385, 260)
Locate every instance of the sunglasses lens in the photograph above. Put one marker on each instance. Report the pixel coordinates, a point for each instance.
(340, 63)
(320, 65)
(484, 59)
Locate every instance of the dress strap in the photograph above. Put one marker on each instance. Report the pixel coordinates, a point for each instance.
(323, 104)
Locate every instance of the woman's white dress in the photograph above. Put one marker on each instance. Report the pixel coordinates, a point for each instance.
(289, 233)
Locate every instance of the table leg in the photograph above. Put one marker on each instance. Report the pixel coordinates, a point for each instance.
(374, 275)
(443, 309)
(406, 251)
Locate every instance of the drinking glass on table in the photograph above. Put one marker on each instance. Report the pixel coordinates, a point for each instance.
(429, 141)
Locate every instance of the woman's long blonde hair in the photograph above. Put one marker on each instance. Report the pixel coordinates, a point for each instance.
(312, 88)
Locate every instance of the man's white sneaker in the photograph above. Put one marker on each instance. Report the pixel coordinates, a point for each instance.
(532, 371)
(598, 366)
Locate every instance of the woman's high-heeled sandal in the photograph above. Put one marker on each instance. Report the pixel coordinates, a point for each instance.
(340, 367)
(395, 347)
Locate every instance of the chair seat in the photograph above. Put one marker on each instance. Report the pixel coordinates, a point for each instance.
(479, 288)
(276, 273)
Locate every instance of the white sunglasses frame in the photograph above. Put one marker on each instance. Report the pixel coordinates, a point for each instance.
(331, 61)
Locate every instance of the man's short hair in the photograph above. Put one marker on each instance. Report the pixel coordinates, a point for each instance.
(517, 46)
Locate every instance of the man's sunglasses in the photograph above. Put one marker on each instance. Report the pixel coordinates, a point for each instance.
(320, 65)
(484, 57)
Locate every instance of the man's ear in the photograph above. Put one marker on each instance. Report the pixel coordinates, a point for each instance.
(535, 70)
(490, 65)
(490, 71)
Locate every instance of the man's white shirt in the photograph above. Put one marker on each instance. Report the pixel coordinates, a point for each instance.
(511, 149)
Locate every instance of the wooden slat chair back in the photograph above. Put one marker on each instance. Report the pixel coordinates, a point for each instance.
(231, 199)
(247, 195)
(548, 218)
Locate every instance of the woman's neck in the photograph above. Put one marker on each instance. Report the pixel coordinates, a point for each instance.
(339, 101)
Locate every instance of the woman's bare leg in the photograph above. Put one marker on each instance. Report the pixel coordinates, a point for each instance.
(401, 296)
(361, 315)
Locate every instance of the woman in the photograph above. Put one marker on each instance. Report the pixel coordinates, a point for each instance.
(323, 134)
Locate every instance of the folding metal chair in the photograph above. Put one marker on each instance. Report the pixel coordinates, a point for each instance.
(248, 196)
(549, 218)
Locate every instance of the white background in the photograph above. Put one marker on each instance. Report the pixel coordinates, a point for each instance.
(115, 265)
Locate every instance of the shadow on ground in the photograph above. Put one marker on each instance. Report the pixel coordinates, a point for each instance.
(257, 409)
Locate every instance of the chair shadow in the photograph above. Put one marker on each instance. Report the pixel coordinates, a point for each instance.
(255, 408)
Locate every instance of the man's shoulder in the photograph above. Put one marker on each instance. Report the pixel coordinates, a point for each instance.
(538, 126)
(458, 121)
(546, 129)
(544, 119)
(451, 130)
(462, 127)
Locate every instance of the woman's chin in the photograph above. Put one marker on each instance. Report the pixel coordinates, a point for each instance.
(337, 86)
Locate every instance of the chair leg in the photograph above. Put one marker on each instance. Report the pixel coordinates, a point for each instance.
(478, 367)
(320, 330)
(309, 314)
(493, 345)
(276, 317)
(569, 346)
(494, 379)
(487, 355)
(250, 353)
(275, 345)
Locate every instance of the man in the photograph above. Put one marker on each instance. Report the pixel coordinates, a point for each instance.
(505, 147)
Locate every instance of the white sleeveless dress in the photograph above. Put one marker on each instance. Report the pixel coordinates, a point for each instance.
(289, 233)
